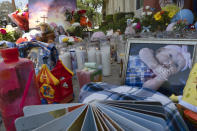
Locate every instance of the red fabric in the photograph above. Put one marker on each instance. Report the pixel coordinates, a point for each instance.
(60, 92)
(192, 116)
(59, 71)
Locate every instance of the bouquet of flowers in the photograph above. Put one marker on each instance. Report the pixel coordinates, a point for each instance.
(79, 21)
(147, 19)
(180, 26)
(162, 19)
(21, 18)
(172, 9)
(8, 35)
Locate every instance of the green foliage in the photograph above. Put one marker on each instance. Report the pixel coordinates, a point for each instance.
(76, 31)
(163, 22)
(109, 18)
(118, 16)
(91, 7)
(116, 21)
(9, 36)
(147, 20)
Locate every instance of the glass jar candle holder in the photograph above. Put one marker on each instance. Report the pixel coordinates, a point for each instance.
(106, 58)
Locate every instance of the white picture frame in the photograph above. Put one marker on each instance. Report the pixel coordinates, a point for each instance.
(156, 43)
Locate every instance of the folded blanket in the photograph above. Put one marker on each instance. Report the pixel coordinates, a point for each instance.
(103, 91)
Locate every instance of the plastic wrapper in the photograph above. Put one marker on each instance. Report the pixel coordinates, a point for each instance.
(21, 19)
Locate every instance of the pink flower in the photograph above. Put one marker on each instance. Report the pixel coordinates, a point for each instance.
(3, 31)
(138, 26)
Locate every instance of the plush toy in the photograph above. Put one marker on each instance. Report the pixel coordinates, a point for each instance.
(129, 30)
(48, 34)
(189, 98)
(166, 62)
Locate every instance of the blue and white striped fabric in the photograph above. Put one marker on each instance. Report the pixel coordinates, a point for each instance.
(137, 72)
(103, 91)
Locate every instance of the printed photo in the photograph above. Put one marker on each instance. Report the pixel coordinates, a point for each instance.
(162, 67)
(49, 11)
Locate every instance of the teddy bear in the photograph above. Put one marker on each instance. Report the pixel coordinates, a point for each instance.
(48, 35)
(163, 63)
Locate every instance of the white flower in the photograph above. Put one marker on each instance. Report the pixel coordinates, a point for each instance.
(132, 20)
(134, 24)
(71, 39)
(149, 13)
(143, 13)
(76, 24)
(9, 28)
(147, 7)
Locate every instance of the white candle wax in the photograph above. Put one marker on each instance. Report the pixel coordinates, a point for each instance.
(98, 57)
(118, 57)
(106, 63)
(66, 59)
(80, 58)
(92, 54)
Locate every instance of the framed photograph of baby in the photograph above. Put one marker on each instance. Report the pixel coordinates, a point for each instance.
(160, 64)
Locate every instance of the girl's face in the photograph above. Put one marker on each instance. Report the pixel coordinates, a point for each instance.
(170, 58)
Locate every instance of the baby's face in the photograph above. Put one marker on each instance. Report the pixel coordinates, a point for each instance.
(170, 58)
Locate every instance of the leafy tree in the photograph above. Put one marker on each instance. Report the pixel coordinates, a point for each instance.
(5, 9)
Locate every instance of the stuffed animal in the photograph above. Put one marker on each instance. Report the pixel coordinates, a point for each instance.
(129, 30)
(189, 98)
(48, 34)
(166, 62)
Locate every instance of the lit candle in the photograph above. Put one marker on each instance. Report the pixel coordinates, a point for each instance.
(106, 63)
(80, 58)
(98, 57)
(92, 54)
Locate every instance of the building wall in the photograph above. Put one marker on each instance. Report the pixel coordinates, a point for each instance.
(115, 6)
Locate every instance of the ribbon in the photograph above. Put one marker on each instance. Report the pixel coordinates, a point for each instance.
(146, 29)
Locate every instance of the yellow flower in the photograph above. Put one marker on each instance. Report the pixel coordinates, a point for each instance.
(157, 16)
(171, 14)
(65, 40)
